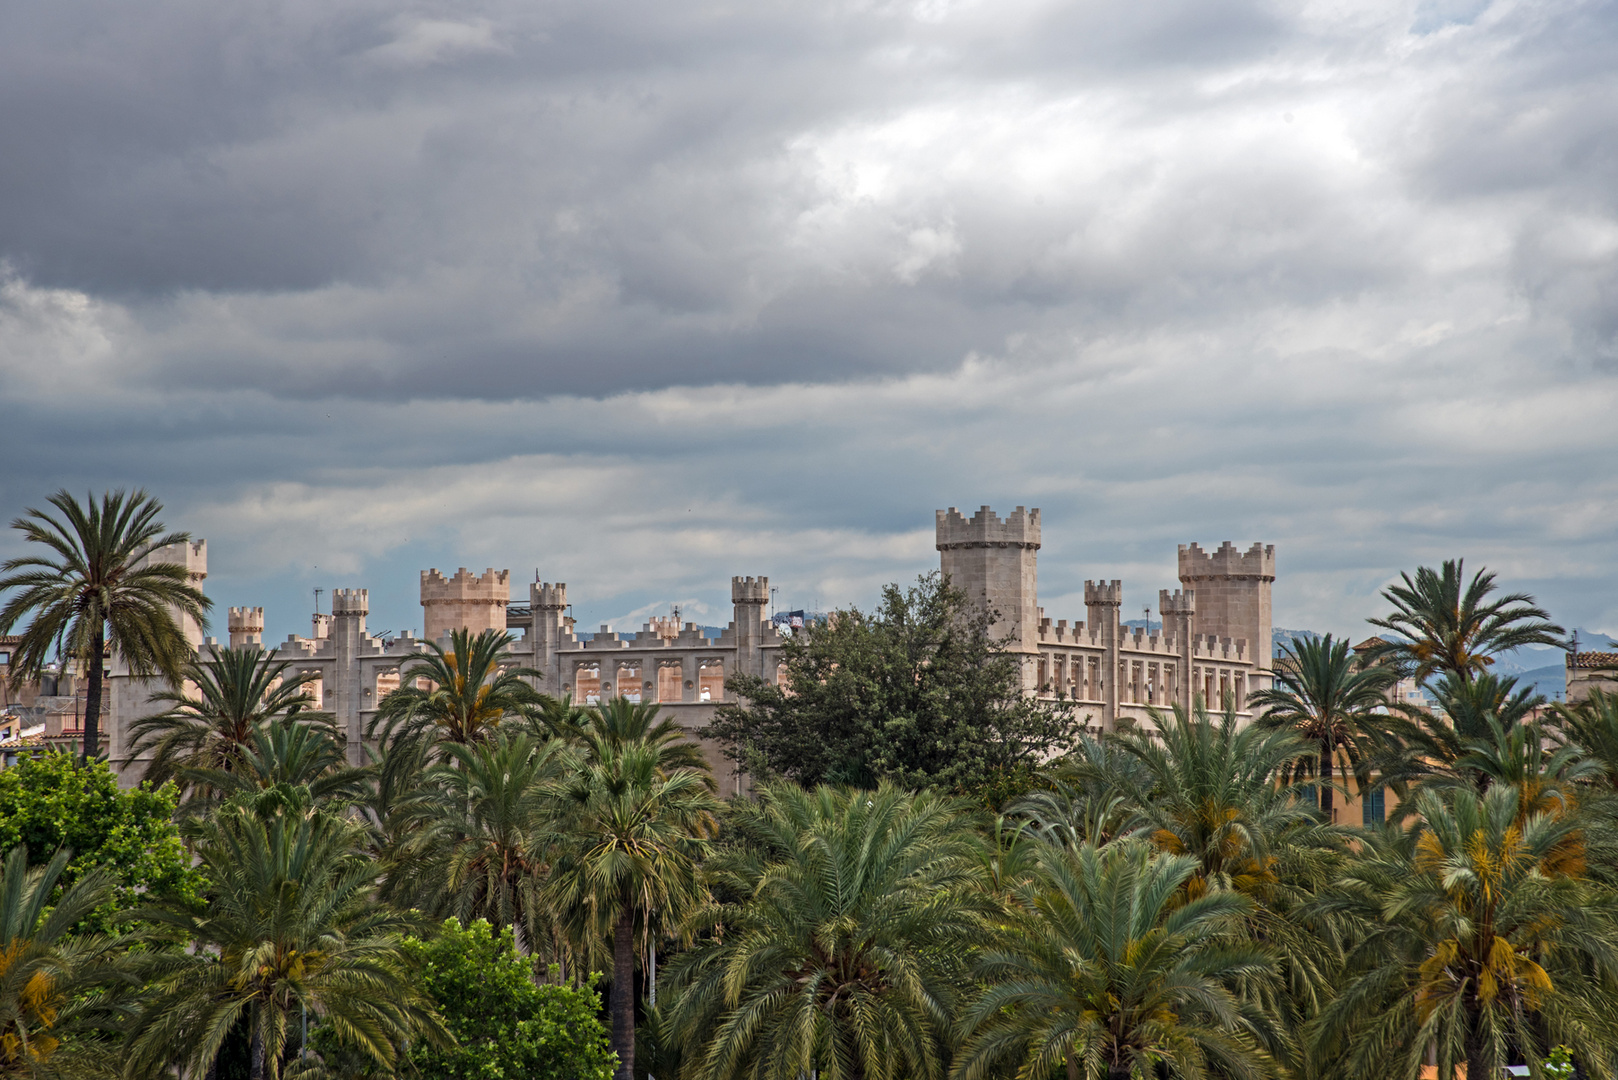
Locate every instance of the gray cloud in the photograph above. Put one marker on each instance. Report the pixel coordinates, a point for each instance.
(648, 294)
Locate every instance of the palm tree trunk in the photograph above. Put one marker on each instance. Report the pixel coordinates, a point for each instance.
(623, 994)
(1072, 1065)
(92, 696)
(1326, 770)
(257, 1057)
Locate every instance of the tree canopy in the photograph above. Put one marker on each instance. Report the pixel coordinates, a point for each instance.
(916, 692)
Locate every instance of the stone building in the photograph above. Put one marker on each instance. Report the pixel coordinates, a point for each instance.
(1214, 642)
(1587, 671)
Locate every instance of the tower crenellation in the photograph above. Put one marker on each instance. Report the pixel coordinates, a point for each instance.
(246, 626)
(1020, 528)
(1233, 594)
(544, 595)
(994, 562)
(1103, 593)
(464, 601)
(747, 590)
(350, 602)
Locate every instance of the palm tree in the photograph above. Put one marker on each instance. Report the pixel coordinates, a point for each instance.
(1448, 625)
(635, 821)
(1212, 791)
(483, 850)
(95, 594)
(844, 949)
(291, 922)
(1321, 694)
(1424, 743)
(1083, 799)
(1592, 725)
(1106, 971)
(48, 975)
(468, 693)
(237, 692)
(620, 722)
(1468, 946)
(283, 752)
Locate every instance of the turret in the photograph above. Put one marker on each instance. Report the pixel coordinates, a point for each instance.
(994, 562)
(548, 603)
(1179, 611)
(475, 602)
(246, 626)
(748, 597)
(1233, 594)
(1102, 602)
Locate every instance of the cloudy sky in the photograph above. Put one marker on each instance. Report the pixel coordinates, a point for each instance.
(639, 294)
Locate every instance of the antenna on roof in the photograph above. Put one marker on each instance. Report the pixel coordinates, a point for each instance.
(318, 591)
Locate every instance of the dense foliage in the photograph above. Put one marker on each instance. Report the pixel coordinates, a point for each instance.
(1193, 899)
(505, 1025)
(53, 802)
(916, 692)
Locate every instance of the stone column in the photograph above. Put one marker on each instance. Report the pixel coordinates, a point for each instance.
(748, 597)
(1179, 610)
(546, 603)
(1102, 602)
(348, 610)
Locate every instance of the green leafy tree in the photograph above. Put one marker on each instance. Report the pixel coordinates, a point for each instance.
(634, 822)
(503, 1023)
(290, 923)
(469, 692)
(845, 950)
(237, 691)
(1473, 942)
(1105, 971)
(93, 593)
(53, 1011)
(1323, 695)
(54, 802)
(916, 692)
(1447, 624)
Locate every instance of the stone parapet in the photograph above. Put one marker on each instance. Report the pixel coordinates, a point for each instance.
(1020, 528)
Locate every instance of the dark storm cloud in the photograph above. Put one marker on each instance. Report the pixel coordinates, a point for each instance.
(646, 294)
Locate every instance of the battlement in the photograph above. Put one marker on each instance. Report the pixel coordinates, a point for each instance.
(1176, 602)
(491, 586)
(1020, 528)
(543, 595)
(1102, 593)
(246, 620)
(1256, 563)
(350, 602)
(749, 590)
(191, 554)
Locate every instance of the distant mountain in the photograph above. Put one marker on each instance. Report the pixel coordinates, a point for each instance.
(1281, 639)
(1550, 680)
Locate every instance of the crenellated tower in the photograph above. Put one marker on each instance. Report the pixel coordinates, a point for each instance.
(1233, 594)
(994, 562)
(349, 607)
(475, 602)
(246, 625)
(1179, 611)
(748, 597)
(547, 604)
(1102, 602)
